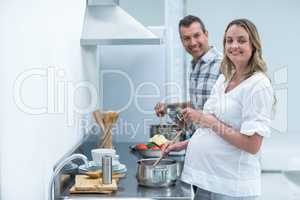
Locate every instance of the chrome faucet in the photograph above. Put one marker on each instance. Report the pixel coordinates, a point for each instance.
(60, 166)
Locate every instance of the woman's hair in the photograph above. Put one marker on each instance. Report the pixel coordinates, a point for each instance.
(256, 62)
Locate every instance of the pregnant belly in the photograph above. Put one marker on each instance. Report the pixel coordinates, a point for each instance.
(211, 154)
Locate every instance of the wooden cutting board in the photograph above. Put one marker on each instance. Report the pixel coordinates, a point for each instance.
(116, 176)
(84, 184)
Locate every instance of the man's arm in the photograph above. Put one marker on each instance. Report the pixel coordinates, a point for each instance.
(161, 108)
(181, 104)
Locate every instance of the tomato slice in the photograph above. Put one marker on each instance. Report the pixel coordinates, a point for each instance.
(155, 148)
(163, 146)
(141, 147)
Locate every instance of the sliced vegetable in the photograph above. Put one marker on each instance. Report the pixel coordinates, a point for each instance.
(141, 147)
(158, 139)
(155, 148)
(151, 144)
(163, 146)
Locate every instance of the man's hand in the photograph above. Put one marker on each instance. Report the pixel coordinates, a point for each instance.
(160, 109)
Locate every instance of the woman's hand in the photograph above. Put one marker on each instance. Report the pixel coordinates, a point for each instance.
(174, 147)
(208, 120)
(197, 116)
(190, 114)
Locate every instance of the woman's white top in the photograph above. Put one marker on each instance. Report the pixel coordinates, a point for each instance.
(212, 163)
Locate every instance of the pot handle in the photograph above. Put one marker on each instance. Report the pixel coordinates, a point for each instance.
(159, 174)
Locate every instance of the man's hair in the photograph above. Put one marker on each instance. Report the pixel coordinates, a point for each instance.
(189, 19)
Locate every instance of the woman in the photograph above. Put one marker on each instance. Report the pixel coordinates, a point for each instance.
(222, 157)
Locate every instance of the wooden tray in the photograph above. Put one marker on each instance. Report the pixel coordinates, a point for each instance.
(84, 184)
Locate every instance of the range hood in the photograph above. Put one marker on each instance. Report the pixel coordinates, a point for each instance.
(106, 23)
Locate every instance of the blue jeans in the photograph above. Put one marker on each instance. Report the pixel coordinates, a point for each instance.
(201, 194)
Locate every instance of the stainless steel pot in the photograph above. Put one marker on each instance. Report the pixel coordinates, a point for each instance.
(162, 175)
(167, 130)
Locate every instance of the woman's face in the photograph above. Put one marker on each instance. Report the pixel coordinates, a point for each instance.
(238, 47)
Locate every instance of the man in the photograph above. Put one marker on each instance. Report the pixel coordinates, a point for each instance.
(204, 67)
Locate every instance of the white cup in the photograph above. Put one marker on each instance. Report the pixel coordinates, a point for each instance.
(97, 155)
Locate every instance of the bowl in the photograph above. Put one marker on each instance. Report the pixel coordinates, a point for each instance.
(97, 155)
(149, 153)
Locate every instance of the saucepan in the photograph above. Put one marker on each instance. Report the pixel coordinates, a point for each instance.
(162, 175)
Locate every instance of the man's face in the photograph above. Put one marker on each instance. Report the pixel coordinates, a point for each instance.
(194, 40)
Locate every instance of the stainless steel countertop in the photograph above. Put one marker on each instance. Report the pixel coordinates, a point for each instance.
(128, 186)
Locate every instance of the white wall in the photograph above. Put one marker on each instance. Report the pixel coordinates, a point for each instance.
(142, 10)
(36, 34)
